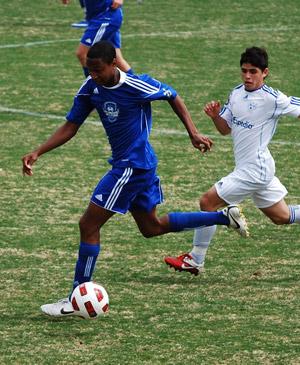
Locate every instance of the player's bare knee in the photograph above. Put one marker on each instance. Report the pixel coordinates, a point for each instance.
(84, 225)
(81, 225)
(205, 203)
(89, 232)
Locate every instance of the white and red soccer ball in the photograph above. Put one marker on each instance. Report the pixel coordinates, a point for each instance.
(90, 300)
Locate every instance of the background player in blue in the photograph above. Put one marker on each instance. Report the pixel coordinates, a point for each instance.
(123, 102)
(82, 23)
(104, 18)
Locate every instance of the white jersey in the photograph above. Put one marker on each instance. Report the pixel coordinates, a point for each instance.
(252, 117)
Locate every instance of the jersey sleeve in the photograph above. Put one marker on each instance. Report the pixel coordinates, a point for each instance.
(226, 112)
(287, 105)
(82, 105)
(148, 89)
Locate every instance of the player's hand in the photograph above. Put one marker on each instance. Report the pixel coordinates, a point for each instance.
(28, 160)
(116, 4)
(212, 109)
(201, 142)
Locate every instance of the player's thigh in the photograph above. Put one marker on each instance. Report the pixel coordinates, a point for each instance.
(148, 192)
(94, 217)
(270, 201)
(270, 194)
(117, 189)
(233, 189)
(210, 201)
(143, 206)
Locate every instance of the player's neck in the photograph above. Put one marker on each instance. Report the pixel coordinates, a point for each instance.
(116, 77)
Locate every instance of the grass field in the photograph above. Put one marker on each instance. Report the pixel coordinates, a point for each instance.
(245, 308)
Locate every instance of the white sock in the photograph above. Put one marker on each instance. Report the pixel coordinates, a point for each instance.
(294, 214)
(202, 239)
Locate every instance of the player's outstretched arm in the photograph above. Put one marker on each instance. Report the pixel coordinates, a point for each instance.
(62, 135)
(198, 140)
(212, 109)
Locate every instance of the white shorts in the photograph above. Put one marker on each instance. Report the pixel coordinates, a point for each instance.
(233, 189)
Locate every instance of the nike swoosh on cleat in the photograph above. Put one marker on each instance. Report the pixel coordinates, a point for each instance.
(237, 225)
(189, 267)
(62, 311)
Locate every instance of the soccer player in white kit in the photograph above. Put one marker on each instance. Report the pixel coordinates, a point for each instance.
(250, 115)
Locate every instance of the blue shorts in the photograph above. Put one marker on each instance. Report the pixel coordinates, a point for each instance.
(101, 30)
(123, 189)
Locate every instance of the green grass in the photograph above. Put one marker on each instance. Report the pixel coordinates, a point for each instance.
(245, 308)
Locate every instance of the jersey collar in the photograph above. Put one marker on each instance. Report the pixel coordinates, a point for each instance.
(251, 91)
(121, 81)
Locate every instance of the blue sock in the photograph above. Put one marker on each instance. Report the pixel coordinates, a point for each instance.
(130, 71)
(87, 257)
(180, 221)
(85, 71)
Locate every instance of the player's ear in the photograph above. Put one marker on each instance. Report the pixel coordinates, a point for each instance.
(265, 72)
(114, 62)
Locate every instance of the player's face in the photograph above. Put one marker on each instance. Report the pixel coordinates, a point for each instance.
(102, 73)
(253, 77)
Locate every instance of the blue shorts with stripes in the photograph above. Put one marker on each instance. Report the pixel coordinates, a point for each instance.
(97, 31)
(123, 189)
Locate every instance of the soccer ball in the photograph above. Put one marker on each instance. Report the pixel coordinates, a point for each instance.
(90, 300)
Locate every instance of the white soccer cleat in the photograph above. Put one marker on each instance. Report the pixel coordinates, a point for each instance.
(236, 219)
(62, 308)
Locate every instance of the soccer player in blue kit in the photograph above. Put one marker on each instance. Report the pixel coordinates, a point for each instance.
(82, 23)
(104, 19)
(123, 102)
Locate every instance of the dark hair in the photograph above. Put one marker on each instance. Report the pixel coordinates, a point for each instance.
(103, 50)
(258, 57)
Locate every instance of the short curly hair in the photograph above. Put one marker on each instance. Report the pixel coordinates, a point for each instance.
(256, 56)
(103, 50)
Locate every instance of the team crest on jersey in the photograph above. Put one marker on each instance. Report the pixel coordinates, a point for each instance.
(252, 106)
(111, 111)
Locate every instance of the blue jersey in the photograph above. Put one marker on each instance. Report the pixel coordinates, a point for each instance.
(125, 112)
(101, 10)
